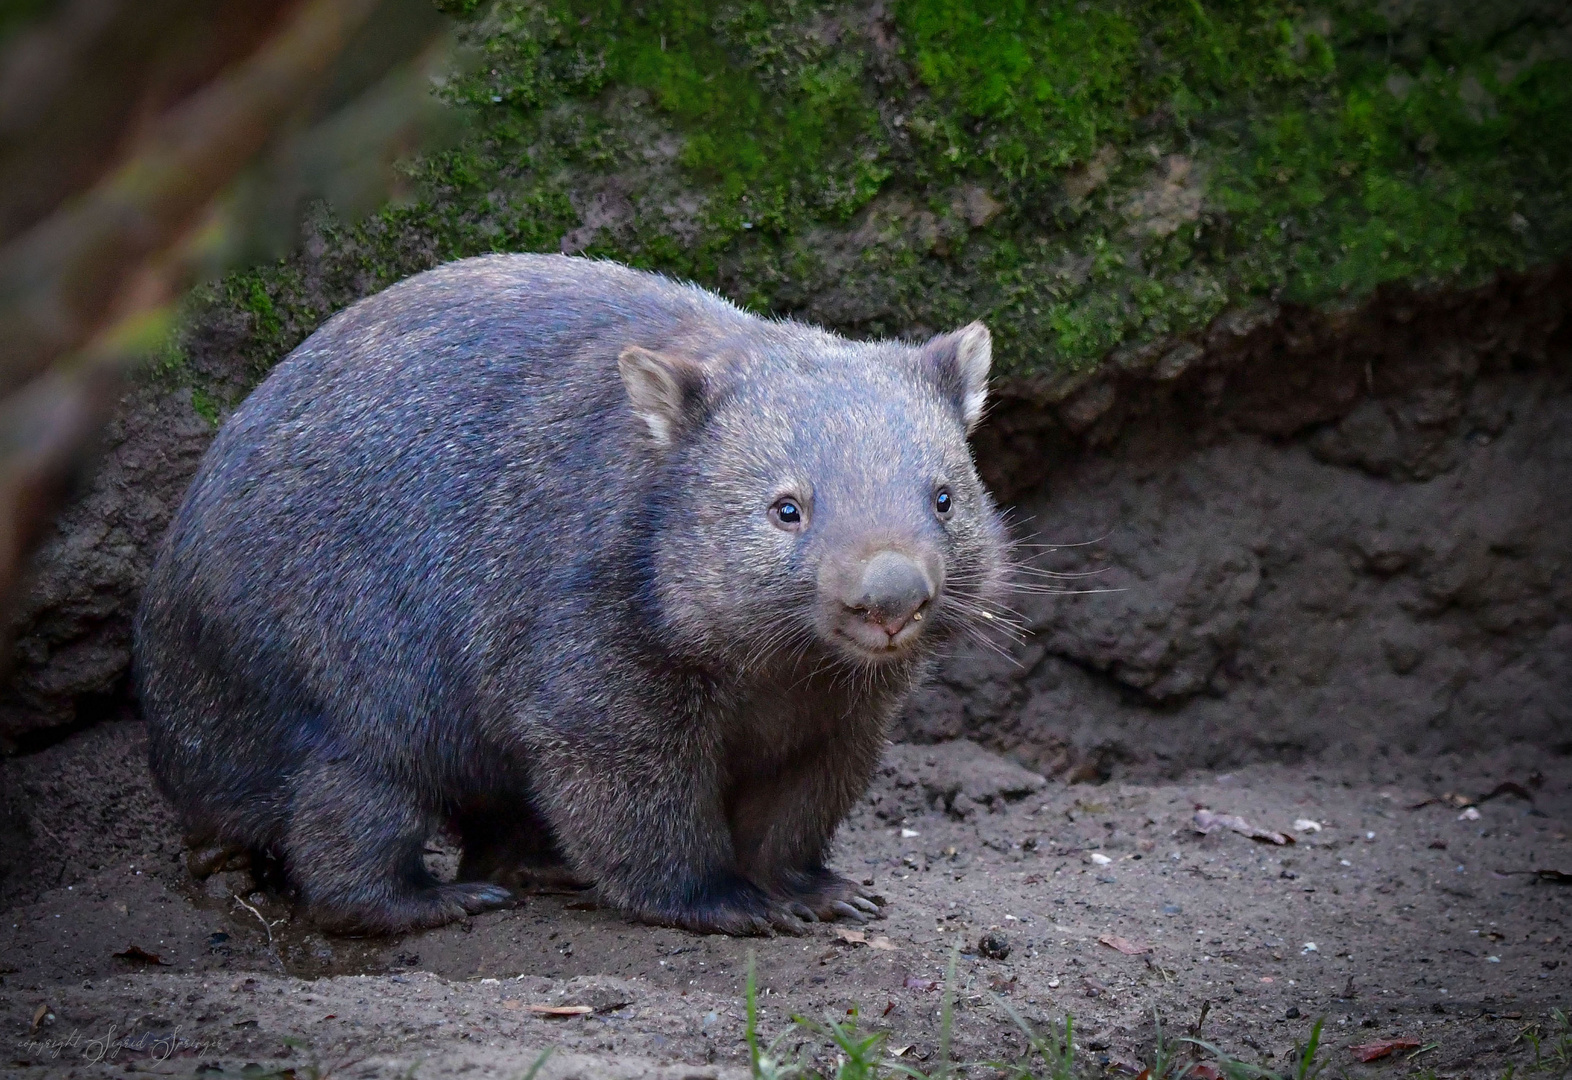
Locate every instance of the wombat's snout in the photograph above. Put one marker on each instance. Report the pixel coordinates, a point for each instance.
(885, 600)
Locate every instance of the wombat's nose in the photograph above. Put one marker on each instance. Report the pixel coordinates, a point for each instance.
(892, 589)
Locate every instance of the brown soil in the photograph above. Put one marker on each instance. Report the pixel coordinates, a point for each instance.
(1423, 923)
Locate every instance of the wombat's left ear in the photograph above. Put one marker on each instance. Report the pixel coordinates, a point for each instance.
(959, 362)
(666, 391)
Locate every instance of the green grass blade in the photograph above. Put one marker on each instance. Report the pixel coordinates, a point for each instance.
(534, 1069)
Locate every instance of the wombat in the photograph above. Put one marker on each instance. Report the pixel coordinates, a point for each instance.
(619, 581)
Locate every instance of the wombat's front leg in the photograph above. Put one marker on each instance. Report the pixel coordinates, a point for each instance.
(353, 848)
(646, 823)
(782, 826)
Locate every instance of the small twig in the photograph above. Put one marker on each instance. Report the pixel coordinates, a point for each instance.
(347, 1063)
(1195, 1032)
(265, 924)
(1168, 976)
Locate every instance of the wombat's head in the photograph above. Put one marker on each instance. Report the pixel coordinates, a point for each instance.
(817, 492)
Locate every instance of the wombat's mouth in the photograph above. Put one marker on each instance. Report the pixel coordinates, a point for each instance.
(867, 639)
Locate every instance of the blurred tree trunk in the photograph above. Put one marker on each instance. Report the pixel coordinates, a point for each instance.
(124, 125)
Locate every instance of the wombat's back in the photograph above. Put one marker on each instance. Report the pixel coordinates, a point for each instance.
(427, 483)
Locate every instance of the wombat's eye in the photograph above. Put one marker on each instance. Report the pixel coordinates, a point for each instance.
(943, 503)
(787, 514)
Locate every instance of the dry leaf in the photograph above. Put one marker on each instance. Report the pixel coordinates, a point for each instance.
(923, 986)
(39, 1015)
(1124, 945)
(561, 1010)
(1460, 802)
(883, 944)
(1374, 1051)
(1554, 877)
(1507, 788)
(1205, 821)
(141, 956)
(851, 937)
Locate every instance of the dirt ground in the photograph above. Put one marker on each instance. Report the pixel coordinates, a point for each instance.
(1104, 902)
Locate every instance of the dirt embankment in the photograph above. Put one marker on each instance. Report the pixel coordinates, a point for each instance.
(1318, 531)
(1325, 533)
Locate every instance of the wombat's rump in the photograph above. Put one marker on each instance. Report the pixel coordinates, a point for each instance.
(619, 580)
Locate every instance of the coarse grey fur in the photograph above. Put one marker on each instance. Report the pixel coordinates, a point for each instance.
(623, 582)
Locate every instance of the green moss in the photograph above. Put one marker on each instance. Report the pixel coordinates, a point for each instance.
(205, 405)
(1083, 176)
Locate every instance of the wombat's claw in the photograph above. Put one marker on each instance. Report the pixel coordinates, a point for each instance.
(867, 905)
(802, 911)
(785, 922)
(475, 897)
(845, 910)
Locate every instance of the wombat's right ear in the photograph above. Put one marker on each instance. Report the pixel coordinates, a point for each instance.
(666, 391)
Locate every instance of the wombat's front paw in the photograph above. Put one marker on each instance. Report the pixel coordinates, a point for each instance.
(823, 894)
(734, 906)
(420, 909)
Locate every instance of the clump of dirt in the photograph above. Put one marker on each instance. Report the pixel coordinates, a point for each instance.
(1396, 912)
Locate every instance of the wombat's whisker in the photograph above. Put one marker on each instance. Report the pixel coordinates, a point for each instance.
(988, 643)
(1028, 545)
(1034, 589)
(994, 609)
(991, 611)
(771, 645)
(1014, 627)
(828, 662)
(1012, 566)
(1005, 644)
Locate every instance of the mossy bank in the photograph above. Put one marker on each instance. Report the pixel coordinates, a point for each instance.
(1086, 177)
